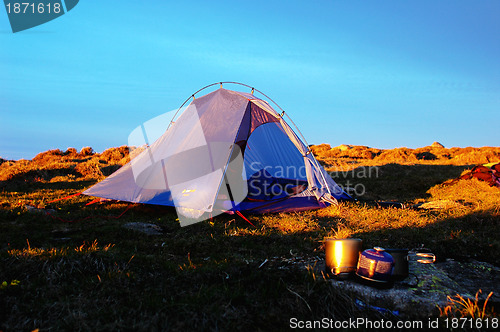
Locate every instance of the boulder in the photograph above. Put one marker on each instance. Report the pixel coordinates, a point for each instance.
(343, 147)
(437, 145)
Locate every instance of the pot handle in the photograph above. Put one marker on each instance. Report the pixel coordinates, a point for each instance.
(423, 255)
(426, 257)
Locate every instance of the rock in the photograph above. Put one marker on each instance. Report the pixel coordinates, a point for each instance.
(343, 147)
(71, 152)
(437, 145)
(440, 205)
(86, 151)
(473, 275)
(148, 229)
(33, 209)
(426, 288)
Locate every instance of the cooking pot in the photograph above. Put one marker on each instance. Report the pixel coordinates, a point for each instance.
(400, 257)
(341, 256)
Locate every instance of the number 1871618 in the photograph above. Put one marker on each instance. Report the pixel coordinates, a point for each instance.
(32, 8)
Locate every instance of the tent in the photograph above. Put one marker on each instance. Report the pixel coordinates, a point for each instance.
(228, 151)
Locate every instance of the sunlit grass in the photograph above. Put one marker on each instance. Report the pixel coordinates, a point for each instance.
(92, 247)
(461, 307)
(288, 223)
(30, 252)
(474, 194)
(368, 218)
(341, 232)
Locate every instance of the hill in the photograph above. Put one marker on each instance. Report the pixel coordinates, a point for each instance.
(345, 157)
(86, 165)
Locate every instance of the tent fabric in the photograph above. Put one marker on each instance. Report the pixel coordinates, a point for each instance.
(222, 136)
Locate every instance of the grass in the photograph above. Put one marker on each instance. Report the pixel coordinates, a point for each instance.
(458, 306)
(78, 268)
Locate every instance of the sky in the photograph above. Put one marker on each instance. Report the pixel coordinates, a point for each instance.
(379, 73)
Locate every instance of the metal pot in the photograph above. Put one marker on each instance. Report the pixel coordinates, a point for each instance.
(375, 265)
(341, 256)
(400, 257)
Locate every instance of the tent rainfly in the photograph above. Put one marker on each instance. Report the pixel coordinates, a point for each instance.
(228, 151)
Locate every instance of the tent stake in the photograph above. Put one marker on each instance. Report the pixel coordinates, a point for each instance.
(242, 216)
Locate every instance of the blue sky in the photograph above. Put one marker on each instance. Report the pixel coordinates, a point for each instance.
(381, 73)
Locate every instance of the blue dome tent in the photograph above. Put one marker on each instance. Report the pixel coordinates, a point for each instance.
(227, 151)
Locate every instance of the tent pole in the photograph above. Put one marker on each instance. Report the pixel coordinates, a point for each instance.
(301, 137)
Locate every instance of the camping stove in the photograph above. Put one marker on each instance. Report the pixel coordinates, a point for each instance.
(375, 265)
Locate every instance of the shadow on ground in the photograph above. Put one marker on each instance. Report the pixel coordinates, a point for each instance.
(396, 182)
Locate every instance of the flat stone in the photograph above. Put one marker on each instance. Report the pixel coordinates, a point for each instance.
(427, 287)
(440, 205)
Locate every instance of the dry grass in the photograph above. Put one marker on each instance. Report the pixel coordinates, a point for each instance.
(469, 192)
(346, 157)
(461, 307)
(341, 232)
(210, 276)
(288, 223)
(30, 252)
(59, 166)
